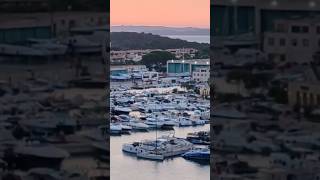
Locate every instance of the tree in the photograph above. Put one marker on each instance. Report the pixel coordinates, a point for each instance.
(157, 59)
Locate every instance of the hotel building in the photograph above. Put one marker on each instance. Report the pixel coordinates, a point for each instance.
(232, 17)
(186, 67)
(294, 40)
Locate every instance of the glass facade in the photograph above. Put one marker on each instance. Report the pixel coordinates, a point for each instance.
(223, 21)
(178, 67)
(21, 35)
(195, 66)
(118, 72)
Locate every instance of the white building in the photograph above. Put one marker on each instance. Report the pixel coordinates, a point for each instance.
(293, 40)
(136, 55)
(186, 67)
(201, 74)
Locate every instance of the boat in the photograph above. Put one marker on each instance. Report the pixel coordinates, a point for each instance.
(151, 155)
(154, 123)
(168, 124)
(165, 147)
(130, 147)
(39, 155)
(115, 128)
(133, 147)
(101, 150)
(125, 129)
(121, 110)
(201, 138)
(124, 118)
(47, 126)
(184, 122)
(138, 126)
(198, 154)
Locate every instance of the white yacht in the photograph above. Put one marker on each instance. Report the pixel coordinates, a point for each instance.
(184, 121)
(166, 147)
(115, 128)
(154, 123)
(138, 126)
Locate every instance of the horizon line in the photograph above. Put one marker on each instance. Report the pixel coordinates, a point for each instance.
(169, 26)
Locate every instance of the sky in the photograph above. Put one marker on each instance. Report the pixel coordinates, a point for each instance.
(172, 13)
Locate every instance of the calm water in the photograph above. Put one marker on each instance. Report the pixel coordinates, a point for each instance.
(192, 38)
(125, 166)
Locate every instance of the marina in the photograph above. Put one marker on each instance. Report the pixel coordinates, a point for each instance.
(170, 168)
(169, 131)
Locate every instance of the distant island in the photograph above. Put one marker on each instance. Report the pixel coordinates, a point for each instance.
(161, 30)
(134, 40)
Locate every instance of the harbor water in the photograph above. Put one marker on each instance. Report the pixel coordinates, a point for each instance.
(125, 166)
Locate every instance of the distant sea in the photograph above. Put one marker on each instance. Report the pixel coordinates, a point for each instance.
(191, 38)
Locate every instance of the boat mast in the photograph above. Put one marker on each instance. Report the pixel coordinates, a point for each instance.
(156, 131)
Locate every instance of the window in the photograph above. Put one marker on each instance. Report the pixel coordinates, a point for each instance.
(305, 29)
(72, 23)
(305, 42)
(281, 28)
(318, 29)
(271, 56)
(282, 42)
(311, 99)
(304, 99)
(295, 29)
(63, 22)
(298, 98)
(283, 57)
(271, 41)
(294, 42)
(300, 29)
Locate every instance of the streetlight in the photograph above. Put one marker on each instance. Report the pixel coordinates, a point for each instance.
(312, 4)
(235, 16)
(274, 3)
(182, 67)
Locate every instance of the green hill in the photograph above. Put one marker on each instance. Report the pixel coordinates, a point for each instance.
(133, 40)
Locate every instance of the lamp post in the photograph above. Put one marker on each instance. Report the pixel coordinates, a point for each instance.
(235, 16)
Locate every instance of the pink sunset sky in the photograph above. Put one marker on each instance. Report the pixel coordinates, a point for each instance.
(173, 13)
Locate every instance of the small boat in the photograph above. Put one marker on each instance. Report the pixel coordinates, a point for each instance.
(198, 122)
(135, 146)
(138, 126)
(151, 155)
(125, 129)
(101, 150)
(39, 155)
(121, 110)
(131, 147)
(165, 147)
(115, 128)
(153, 123)
(202, 138)
(184, 122)
(202, 154)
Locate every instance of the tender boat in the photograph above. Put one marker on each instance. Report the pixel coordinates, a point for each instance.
(138, 126)
(39, 155)
(154, 123)
(184, 122)
(115, 128)
(202, 154)
(165, 147)
(202, 138)
(125, 129)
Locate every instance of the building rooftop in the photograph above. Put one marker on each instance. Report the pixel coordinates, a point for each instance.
(192, 61)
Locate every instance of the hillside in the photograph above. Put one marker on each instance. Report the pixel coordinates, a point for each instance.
(133, 40)
(161, 30)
